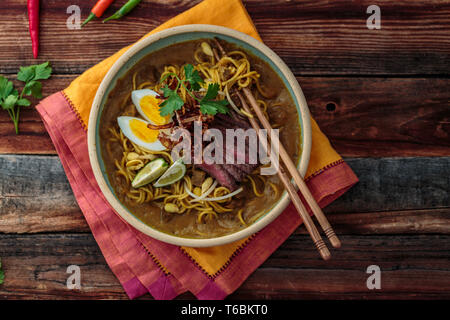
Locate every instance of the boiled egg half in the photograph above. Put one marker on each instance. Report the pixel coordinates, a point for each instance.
(137, 131)
(147, 104)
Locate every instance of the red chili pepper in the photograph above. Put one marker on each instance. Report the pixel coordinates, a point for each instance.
(98, 10)
(33, 20)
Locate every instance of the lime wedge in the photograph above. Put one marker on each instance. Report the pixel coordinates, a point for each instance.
(152, 171)
(172, 175)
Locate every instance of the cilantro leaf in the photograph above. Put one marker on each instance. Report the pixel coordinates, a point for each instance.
(6, 87)
(210, 106)
(33, 88)
(192, 76)
(211, 93)
(43, 71)
(167, 91)
(2, 275)
(172, 103)
(10, 99)
(9, 102)
(23, 102)
(26, 74)
(35, 72)
(30, 75)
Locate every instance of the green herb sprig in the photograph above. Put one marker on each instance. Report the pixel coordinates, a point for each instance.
(208, 104)
(2, 274)
(11, 101)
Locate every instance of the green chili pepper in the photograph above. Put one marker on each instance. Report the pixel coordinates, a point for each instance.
(127, 7)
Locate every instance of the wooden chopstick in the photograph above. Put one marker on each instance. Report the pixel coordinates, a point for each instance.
(326, 227)
(315, 235)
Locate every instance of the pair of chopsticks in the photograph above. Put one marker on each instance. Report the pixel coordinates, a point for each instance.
(313, 232)
(286, 160)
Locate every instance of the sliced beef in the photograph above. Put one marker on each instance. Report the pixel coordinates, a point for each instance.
(227, 174)
(236, 153)
(239, 154)
(219, 173)
(233, 121)
(235, 172)
(247, 168)
(245, 123)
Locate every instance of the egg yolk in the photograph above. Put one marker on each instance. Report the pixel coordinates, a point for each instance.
(142, 132)
(150, 106)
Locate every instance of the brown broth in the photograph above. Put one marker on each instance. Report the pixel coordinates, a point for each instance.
(185, 225)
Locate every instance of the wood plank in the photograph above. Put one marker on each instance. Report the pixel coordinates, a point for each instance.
(396, 184)
(27, 205)
(36, 268)
(412, 267)
(380, 117)
(415, 186)
(405, 272)
(429, 221)
(313, 37)
(363, 117)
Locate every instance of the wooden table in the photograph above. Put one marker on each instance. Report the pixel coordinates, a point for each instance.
(381, 96)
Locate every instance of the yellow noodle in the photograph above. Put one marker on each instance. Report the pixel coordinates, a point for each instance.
(217, 207)
(239, 53)
(201, 233)
(256, 217)
(239, 215)
(196, 56)
(210, 214)
(255, 189)
(246, 113)
(274, 188)
(143, 85)
(263, 104)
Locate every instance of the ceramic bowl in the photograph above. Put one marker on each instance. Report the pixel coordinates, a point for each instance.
(158, 41)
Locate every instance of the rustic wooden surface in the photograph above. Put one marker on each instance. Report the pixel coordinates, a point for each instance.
(381, 96)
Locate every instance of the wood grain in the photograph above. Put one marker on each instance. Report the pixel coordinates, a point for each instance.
(362, 117)
(27, 204)
(405, 272)
(374, 93)
(400, 195)
(382, 117)
(388, 184)
(35, 268)
(426, 221)
(313, 37)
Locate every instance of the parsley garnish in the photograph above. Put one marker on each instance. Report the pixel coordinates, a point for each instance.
(11, 101)
(208, 104)
(2, 275)
(192, 76)
(172, 103)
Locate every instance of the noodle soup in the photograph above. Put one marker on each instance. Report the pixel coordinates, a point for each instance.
(195, 77)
